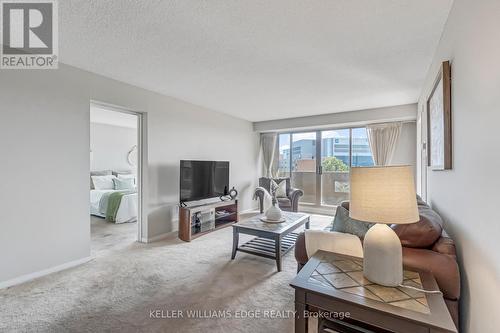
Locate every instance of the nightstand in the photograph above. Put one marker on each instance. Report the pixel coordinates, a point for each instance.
(332, 288)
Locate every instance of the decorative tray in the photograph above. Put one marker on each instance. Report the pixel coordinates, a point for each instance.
(264, 219)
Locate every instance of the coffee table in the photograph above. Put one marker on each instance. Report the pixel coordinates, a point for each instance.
(273, 239)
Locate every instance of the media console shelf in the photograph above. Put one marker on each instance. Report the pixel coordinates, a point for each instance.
(196, 221)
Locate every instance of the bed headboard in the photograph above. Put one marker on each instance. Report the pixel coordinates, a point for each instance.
(107, 173)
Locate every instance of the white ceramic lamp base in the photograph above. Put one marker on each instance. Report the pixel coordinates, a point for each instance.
(383, 256)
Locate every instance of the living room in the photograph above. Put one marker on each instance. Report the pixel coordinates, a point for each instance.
(311, 92)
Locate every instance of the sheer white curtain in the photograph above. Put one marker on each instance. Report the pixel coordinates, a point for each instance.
(383, 139)
(268, 146)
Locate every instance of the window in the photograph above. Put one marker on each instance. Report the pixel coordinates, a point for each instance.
(284, 155)
(361, 153)
(318, 162)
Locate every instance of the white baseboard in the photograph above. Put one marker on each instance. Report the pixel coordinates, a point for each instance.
(35, 275)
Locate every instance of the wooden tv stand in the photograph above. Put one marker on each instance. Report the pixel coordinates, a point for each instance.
(196, 221)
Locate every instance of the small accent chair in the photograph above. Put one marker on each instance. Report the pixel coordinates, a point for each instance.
(289, 203)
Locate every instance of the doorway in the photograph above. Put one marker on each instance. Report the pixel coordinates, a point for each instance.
(116, 157)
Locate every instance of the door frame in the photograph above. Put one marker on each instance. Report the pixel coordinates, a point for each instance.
(142, 163)
(422, 154)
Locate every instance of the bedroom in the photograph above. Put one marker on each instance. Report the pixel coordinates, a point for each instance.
(113, 180)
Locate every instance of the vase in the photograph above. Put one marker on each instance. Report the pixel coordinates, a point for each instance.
(274, 213)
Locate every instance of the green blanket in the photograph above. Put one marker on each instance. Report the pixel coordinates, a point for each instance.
(114, 201)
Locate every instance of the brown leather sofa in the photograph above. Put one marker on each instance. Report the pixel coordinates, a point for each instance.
(288, 203)
(426, 246)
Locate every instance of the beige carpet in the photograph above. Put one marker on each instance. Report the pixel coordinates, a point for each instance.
(107, 236)
(117, 290)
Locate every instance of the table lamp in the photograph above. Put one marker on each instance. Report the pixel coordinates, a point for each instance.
(383, 195)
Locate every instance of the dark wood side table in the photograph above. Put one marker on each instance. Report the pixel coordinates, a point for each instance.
(273, 239)
(332, 287)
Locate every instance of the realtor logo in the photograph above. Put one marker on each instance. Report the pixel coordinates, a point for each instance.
(29, 34)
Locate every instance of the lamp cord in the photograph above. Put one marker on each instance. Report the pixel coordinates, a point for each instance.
(422, 290)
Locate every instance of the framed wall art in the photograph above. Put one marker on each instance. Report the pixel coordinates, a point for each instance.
(439, 134)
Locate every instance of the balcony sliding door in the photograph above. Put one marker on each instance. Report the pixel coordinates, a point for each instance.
(318, 162)
(284, 162)
(335, 162)
(304, 168)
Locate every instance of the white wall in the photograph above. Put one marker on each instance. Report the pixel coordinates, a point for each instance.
(44, 136)
(110, 146)
(406, 150)
(468, 196)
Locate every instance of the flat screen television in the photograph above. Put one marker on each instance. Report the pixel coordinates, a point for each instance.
(203, 179)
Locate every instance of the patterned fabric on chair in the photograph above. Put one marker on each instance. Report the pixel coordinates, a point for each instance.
(288, 203)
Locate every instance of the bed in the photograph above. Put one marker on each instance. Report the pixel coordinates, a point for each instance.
(115, 205)
(127, 210)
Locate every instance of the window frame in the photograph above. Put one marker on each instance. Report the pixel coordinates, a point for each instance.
(290, 133)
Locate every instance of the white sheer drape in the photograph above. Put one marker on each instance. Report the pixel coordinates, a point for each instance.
(383, 139)
(268, 146)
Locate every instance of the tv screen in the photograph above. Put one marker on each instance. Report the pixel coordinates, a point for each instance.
(203, 179)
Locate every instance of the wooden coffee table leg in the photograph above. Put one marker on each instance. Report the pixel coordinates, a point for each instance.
(277, 249)
(236, 236)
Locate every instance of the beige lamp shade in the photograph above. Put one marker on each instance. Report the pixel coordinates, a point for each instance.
(383, 195)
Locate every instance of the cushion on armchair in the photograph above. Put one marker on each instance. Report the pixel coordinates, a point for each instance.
(280, 188)
(265, 182)
(284, 202)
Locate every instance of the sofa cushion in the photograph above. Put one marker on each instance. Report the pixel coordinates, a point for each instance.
(284, 202)
(344, 223)
(422, 234)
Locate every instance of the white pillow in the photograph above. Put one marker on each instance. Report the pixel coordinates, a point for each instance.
(103, 182)
(127, 176)
(281, 189)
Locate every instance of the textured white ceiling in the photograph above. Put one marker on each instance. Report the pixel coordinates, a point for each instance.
(259, 59)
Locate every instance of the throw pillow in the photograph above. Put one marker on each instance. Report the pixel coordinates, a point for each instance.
(280, 188)
(423, 233)
(98, 173)
(123, 184)
(344, 223)
(127, 176)
(103, 182)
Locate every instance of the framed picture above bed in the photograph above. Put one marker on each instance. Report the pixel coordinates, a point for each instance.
(439, 135)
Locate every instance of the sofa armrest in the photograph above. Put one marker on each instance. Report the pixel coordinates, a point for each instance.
(443, 267)
(311, 241)
(294, 195)
(300, 251)
(259, 195)
(445, 245)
